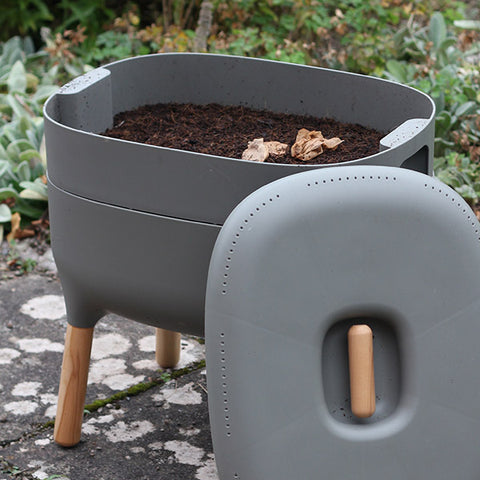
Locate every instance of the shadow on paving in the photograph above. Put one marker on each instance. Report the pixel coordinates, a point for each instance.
(159, 433)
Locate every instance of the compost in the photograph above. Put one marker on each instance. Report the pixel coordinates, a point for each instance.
(227, 130)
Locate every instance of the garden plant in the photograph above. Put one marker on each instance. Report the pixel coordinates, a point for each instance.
(431, 46)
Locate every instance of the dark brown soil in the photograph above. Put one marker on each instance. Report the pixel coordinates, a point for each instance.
(226, 130)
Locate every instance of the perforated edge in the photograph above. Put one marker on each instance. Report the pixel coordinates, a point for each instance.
(224, 382)
(466, 210)
(240, 230)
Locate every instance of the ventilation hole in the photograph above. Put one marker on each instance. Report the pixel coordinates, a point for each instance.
(237, 235)
(227, 425)
(309, 185)
(228, 434)
(363, 177)
(234, 242)
(224, 292)
(224, 284)
(224, 377)
(222, 360)
(227, 266)
(225, 401)
(227, 417)
(226, 409)
(225, 275)
(264, 204)
(324, 181)
(355, 178)
(316, 183)
(331, 180)
(257, 209)
(222, 343)
(246, 221)
(222, 334)
(224, 368)
(229, 259)
(241, 228)
(339, 179)
(270, 199)
(394, 179)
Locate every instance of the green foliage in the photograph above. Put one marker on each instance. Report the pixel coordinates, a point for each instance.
(22, 17)
(22, 159)
(460, 173)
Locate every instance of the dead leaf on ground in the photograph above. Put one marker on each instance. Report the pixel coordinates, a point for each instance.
(310, 144)
(16, 231)
(256, 151)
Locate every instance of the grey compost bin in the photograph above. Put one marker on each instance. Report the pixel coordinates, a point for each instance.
(174, 202)
(133, 228)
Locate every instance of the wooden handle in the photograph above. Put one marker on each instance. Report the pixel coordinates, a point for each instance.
(362, 381)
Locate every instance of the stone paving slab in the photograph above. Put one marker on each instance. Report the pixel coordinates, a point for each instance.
(158, 434)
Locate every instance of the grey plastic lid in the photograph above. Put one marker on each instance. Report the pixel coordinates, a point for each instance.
(297, 263)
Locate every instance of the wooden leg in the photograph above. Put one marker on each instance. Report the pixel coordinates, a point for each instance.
(167, 352)
(73, 386)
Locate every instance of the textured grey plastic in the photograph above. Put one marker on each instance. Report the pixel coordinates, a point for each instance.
(297, 263)
(142, 266)
(206, 188)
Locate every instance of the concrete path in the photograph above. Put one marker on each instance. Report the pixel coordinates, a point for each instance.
(143, 424)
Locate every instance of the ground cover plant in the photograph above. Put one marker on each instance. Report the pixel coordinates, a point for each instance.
(432, 46)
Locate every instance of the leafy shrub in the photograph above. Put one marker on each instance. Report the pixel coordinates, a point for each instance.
(22, 160)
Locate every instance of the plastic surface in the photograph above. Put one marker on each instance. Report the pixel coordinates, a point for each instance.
(145, 267)
(201, 187)
(294, 266)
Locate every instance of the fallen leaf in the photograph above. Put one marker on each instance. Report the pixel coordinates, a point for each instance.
(18, 232)
(15, 222)
(256, 151)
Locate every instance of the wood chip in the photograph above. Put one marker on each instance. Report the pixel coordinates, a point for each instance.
(256, 151)
(310, 144)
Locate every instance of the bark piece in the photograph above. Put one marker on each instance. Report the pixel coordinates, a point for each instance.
(256, 151)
